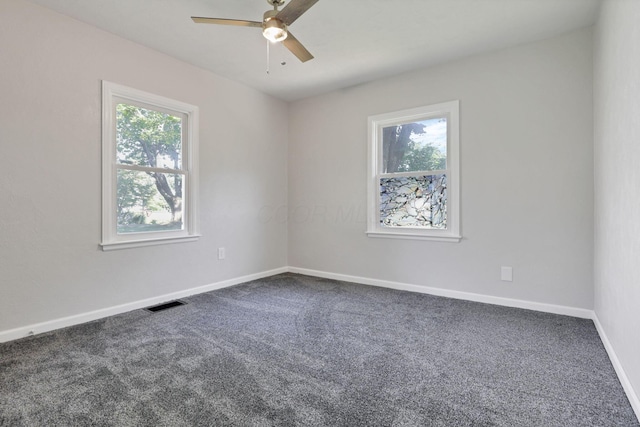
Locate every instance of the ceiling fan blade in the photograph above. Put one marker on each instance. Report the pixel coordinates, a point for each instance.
(294, 9)
(296, 48)
(221, 21)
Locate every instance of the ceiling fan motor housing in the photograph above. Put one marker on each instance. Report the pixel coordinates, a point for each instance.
(273, 29)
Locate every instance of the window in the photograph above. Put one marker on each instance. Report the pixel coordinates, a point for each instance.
(414, 178)
(149, 177)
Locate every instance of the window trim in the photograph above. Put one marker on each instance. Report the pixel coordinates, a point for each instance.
(448, 109)
(111, 240)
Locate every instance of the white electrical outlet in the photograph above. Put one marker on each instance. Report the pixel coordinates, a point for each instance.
(506, 274)
(222, 253)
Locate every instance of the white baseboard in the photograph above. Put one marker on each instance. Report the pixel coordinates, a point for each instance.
(634, 400)
(39, 328)
(51, 325)
(468, 296)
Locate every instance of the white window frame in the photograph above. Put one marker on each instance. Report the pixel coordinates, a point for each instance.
(450, 110)
(112, 94)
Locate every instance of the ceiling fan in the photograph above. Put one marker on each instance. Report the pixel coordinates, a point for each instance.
(274, 24)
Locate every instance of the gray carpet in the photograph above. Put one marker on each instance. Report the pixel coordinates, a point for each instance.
(295, 350)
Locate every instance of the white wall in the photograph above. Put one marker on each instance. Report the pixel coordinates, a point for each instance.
(527, 176)
(50, 177)
(617, 182)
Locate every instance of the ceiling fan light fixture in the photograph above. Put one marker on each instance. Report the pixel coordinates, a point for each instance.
(274, 30)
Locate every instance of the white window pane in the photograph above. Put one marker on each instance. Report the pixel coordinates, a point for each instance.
(149, 201)
(419, 201)
(414, 147)
(147, 137)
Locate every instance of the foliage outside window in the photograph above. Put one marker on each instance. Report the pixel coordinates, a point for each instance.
(149, 177)
(413, 173)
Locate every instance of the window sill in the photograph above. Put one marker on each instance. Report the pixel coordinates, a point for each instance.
(413, 236)
(112, 246)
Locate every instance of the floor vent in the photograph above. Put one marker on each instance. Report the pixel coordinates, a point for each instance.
(165, 306)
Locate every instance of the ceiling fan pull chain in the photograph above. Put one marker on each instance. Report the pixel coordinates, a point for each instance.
(267, 56)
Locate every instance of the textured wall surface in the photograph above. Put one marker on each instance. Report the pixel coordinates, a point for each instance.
(617, 181)
(50, 179)
(527, 176)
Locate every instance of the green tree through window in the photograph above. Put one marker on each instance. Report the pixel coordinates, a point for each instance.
(150, 142)
(411, 147)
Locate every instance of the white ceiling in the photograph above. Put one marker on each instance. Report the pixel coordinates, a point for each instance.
(353, 41)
